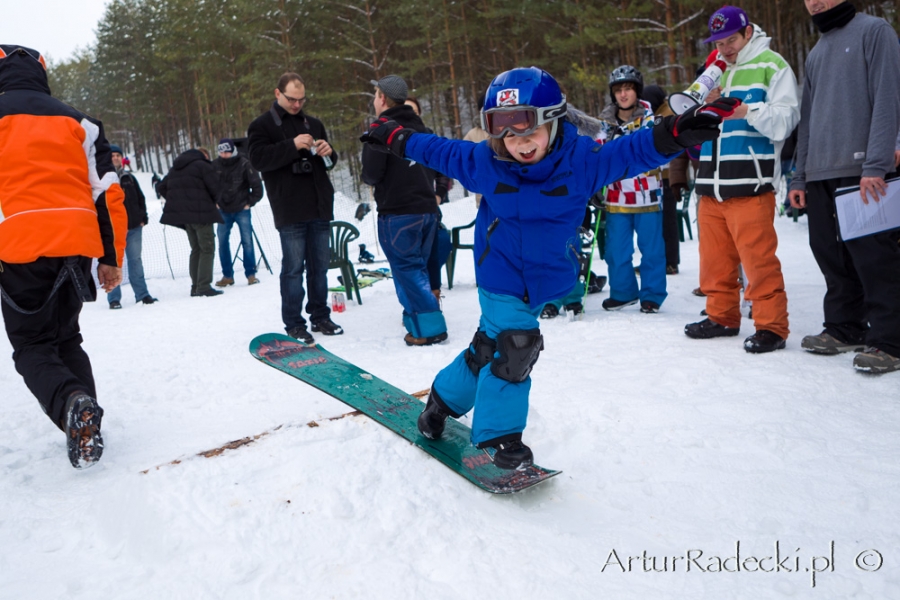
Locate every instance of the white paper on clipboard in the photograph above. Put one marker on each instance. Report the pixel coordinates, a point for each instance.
(857, 219)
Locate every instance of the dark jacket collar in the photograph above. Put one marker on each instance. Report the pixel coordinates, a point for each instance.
(835, 17)
(187, 157)
(20, 70)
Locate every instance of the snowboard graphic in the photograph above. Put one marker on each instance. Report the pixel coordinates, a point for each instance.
(393, 408)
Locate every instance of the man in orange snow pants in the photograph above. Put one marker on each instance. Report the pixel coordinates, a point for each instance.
(60, 206)
(736, 184)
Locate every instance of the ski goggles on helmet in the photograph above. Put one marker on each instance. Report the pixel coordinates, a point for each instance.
(520, 119)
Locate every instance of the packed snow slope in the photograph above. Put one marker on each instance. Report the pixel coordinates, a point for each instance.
(691, 469)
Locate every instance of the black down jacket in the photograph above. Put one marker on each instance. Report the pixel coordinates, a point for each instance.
(191, 190)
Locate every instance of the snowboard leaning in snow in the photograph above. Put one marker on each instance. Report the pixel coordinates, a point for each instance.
(393, 408)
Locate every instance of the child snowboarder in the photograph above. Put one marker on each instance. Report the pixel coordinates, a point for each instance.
(536, 175)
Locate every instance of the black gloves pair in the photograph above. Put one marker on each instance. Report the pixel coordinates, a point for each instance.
(700, 124)
(385, 135)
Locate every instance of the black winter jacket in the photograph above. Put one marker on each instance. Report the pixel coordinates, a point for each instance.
(191, 190)
(401, 187)
(135, 203)
(295, 197)
(240, 183)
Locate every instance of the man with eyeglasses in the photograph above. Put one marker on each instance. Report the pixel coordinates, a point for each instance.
(291, 151)
(60, 205)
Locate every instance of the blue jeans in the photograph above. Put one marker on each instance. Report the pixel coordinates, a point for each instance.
(407, 241)
(620, 230)
(501, 407)
(305, 244)
(242, 218)
(135, 268)
(440, 252)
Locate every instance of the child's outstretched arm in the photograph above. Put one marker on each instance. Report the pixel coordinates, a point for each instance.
(649, 148)
(454, 158)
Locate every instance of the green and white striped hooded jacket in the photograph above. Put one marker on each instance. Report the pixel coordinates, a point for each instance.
(746, 159)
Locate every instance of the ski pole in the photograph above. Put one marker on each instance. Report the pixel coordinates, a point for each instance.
(587, 278)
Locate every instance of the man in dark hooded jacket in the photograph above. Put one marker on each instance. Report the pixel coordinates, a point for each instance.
(407, 218)
(191, 190)
(241, 189)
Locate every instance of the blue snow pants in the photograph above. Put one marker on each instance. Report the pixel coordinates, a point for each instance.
(501, 407)
(620, 230)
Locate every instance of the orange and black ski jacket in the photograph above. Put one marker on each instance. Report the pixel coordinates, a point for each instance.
(59, 193)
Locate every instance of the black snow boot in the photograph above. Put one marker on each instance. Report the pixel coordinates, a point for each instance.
(550, 311)
(707, 328)
(364, 255)
(431, 421)
(511, 455)
(81, 424)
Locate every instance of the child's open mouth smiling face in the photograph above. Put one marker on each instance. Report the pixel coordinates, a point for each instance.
(529, 149)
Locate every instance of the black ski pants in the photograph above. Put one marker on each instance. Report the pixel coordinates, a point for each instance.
(862, 301)
(670, 225)
(47, 345)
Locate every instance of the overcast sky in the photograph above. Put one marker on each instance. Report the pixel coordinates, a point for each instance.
(54, 27)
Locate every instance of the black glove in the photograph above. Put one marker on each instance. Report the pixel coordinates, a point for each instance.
(385, 135)
(700, 124)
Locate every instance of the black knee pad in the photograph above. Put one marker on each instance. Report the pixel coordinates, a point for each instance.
(519, 350)
(480, 352)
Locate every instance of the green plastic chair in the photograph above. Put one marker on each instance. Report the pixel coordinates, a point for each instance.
(456, 245)
(341, 235)
(684, 217)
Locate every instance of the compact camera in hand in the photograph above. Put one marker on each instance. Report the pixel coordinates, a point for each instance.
(303, 167)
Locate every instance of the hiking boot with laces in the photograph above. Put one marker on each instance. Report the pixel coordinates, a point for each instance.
(225, 281)
(707, 328)
(251, 280)
(873, 360)
(511, 455)
(763, 341)
(825, 343)
(81, 424)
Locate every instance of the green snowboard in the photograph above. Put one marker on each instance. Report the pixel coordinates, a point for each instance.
(393, 408)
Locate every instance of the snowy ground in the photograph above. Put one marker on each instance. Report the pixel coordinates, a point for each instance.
(670, 448)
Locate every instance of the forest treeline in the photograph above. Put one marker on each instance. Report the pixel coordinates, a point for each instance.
(166, 75)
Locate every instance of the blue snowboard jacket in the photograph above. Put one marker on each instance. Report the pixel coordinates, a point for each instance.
(526, 242)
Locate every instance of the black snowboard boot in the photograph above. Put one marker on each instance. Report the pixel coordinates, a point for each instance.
(511, 455)
(364, 255)
(431, 421)
(707, 328)
(596, 284)
(576, 308)
(81, 424)
(549, 312)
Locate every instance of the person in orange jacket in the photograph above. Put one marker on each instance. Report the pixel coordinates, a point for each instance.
(60, 206)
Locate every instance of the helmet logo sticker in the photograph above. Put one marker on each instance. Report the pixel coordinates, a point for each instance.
(718, 23)
(508, 97)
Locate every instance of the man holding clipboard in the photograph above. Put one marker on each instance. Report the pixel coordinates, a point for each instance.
(852, 80)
